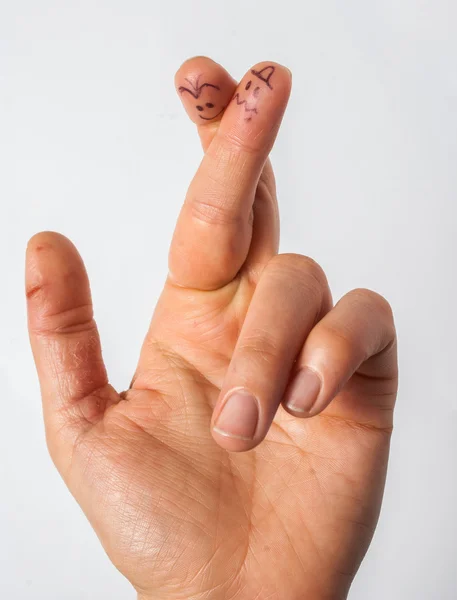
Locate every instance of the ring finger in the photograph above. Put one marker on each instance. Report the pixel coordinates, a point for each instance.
(290, 298)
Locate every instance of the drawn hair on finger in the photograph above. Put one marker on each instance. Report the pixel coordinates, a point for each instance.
(195, 89)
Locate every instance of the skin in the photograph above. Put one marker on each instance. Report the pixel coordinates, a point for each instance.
(183, 510)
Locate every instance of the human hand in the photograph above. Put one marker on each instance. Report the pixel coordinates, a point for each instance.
(177, 514)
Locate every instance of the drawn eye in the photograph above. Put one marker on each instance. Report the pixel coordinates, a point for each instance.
(198, 107)
(256, 92)
(209, 105)
(248, 85)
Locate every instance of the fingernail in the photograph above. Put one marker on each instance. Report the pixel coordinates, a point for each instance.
(303, 391)
(239, 416)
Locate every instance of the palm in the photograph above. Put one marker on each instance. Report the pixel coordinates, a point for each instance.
(177, 512)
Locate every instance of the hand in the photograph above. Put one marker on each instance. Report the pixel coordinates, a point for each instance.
(244, 352)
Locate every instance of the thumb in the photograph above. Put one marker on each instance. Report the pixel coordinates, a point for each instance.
(65, 342)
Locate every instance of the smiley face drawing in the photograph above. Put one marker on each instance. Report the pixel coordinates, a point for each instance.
(206, 107)
(263, 75)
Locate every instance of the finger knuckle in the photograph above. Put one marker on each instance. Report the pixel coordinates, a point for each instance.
(76, 319)
(375, 304)
(336, 334)
(373, 301)
(260, 347)
(232, 143)
(300, 268)
(212, 212)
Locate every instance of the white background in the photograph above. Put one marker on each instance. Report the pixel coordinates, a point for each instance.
(94, 143)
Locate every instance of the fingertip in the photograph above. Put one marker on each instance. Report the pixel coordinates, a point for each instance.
(303, 394)
(267, 80)
(232, 444)
(236, 424)
(55, 277)
(39, 243)
(49, 253)
(194, 62)
(47, 241)
(266, 68)
(205, 89)
(257, 107)
(299, 414)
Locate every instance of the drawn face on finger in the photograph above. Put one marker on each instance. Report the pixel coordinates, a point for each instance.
(259, 83)
(207, 99)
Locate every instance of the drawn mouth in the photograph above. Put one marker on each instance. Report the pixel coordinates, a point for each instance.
(211, 118)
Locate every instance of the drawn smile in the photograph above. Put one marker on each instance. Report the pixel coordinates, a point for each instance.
(211, 118)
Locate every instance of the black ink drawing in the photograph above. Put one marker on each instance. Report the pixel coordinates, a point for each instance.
(247, 109)
(196, 91)
(265, 78)
(264, 75)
